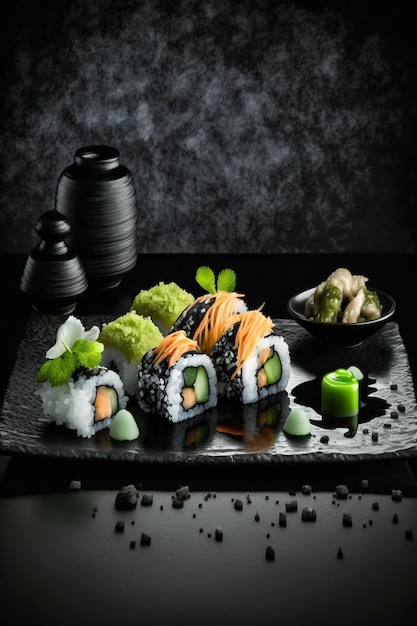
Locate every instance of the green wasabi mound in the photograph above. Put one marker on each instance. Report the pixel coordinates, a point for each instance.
(164, 303)
(124, 427)
(297, 423)
(132, 334)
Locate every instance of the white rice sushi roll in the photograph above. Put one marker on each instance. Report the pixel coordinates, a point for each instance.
(87, 402)
(251, 360)
(176, 380)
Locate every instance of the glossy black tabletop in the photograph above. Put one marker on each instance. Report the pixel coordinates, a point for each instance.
(28, 480)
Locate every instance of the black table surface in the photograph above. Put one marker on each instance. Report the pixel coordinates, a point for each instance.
(270, 279)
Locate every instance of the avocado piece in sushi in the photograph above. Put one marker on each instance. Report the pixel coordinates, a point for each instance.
(163, 303)
(126, 340)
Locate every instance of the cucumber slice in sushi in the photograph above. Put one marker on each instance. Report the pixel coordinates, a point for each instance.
(201, 385)
(273, 369)
(190, 374)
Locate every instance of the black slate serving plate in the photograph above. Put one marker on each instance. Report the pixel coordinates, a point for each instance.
(386, 428)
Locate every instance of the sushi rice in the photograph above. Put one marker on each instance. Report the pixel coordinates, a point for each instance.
(72, 404)
(244, 384)
(128, 370)
(159, 387)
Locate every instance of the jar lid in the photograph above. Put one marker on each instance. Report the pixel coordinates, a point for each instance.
(97, 157)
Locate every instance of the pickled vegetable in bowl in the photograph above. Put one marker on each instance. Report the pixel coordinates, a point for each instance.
(344, 298)
(342, 312)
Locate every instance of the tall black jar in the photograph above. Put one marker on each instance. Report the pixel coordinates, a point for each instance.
(97, 195)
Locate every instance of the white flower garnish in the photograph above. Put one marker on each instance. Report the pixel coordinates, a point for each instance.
(68, 333)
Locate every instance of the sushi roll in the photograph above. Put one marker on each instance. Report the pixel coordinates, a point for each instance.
(163, 303)
(176, 380)
(126, 339)
(87, 402)
(251, 360)
(75, 390)
(206, 319)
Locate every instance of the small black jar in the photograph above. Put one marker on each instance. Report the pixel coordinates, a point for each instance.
(53, 277)
(97, 195)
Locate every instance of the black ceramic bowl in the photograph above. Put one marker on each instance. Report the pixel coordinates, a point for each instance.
(340, 335)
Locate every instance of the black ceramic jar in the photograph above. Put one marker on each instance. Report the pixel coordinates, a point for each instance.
(53, 277)
(97, 195)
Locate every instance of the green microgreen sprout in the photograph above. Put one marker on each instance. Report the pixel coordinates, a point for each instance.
(226, 279)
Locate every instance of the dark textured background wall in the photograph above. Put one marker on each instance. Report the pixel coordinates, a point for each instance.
(252, 126)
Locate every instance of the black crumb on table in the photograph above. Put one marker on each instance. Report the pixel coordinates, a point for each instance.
(308, 514)
(218, 534)
(347, 520)
(145, 540)
(270, 553)
(238, 505)
(127, 498)
(182, 493)
(397, 495)
(120, 526)
(147, 499)
(291, 506)
(342, 492)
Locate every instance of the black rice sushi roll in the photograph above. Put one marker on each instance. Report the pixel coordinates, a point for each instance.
(251, 359)
(208, 316)
(176, 380)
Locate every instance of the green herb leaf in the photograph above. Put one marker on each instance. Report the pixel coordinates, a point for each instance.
(57, 371)
(88, 353)
(226, 280)
(206, 278)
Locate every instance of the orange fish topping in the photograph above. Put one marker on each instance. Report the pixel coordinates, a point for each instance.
(253, 326)
(220, 316)
(173, 346)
